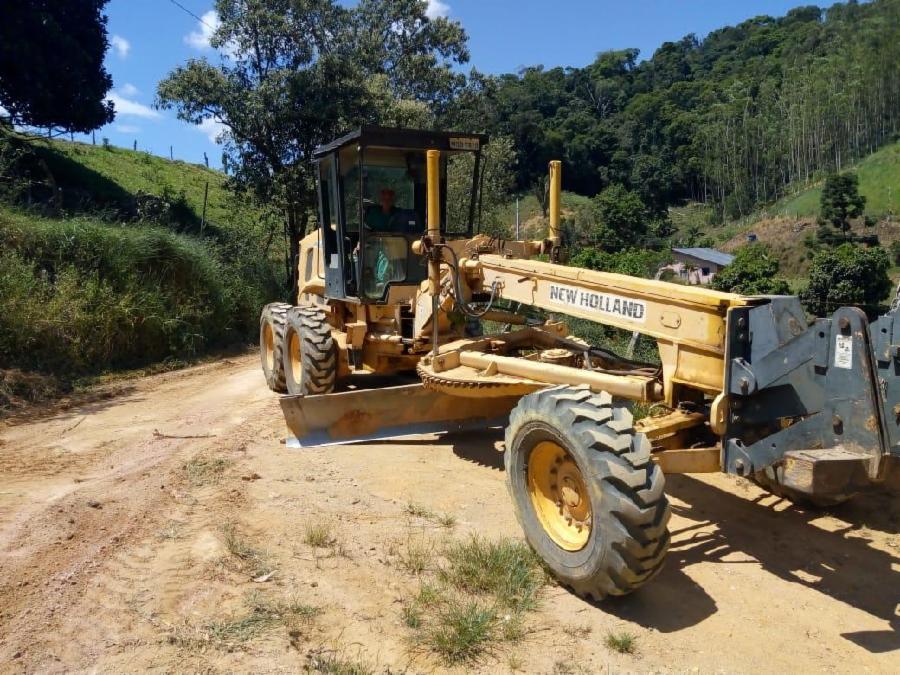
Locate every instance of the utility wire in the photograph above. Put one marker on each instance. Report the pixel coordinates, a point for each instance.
(185, 9)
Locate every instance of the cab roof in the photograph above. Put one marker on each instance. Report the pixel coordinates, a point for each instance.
(413, 139)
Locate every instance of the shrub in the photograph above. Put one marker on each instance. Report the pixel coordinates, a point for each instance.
(754, 271)
(79, 296)
(847, 275)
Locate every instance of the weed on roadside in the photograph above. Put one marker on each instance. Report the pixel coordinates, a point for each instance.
(463, 631)
(419, 511)
(318, 535)
(334, 662)
(262, 613)
(622, 642)
(202, 471)
(506, 569)
(447, 520)
(417, 556)
(476, 598)
(252, 560)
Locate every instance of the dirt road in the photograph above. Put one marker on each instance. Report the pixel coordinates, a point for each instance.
(136, 532)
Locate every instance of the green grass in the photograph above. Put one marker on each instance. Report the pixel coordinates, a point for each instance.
(623, 642)
(97, 276)
(879, 183)
(463, 632)
(262, 613)
(113, 174)
(507, 570)
(476, 598)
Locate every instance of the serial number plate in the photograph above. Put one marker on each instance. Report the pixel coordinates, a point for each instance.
(601, 303)
(461, 143)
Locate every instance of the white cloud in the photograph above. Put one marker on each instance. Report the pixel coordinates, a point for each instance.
(127, 107)
(437, 9)
(120, 45)
(129, 90)
(199, 39)
(212, 128)
(128, 129)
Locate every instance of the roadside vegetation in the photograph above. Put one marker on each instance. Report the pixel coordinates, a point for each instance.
(106, 263)
(472, 595)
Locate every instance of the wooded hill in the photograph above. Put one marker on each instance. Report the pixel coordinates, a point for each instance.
(736, 119)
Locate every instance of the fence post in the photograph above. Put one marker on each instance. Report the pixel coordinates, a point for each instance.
(205, 197)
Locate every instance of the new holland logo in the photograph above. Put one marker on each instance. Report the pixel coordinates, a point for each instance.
(604, 303)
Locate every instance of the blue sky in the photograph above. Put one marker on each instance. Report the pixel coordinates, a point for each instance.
(150, 37)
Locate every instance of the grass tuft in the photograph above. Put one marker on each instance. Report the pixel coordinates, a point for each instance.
(254, 561)
(463, 631)
(202, 471)
(623, 643)
(447, 520)
(419, 511)
(417, 557)
(318, 535)
(508, 570)
(332, 663)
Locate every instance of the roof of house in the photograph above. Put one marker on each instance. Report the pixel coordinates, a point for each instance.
(707, 255)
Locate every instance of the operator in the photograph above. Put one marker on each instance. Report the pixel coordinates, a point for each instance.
(386, 218)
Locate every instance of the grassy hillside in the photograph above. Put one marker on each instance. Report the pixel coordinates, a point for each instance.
(104, 264)
(879, 183)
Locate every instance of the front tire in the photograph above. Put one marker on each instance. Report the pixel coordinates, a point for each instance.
(272, 323)
(587, 494)
(310, 357)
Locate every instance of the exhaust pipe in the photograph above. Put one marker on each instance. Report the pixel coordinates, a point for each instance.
(555, 194)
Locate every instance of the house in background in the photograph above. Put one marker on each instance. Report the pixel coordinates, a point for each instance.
(698, 265)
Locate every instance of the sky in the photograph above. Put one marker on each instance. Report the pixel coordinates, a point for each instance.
(148, 38)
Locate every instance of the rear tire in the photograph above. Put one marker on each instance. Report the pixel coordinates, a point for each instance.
(272, 323)
(574, 463)
(310, 357)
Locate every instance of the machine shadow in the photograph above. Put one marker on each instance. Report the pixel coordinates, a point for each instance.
(479, 446)
(840, 564)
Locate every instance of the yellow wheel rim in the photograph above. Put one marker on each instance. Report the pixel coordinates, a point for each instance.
(269, 346)
(296, 357)
(559, 496)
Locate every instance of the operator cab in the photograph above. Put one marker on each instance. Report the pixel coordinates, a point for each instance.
(372, 205)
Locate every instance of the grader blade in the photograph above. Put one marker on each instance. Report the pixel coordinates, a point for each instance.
(376, 414)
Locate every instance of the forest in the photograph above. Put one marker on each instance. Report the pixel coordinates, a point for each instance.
(734, 120)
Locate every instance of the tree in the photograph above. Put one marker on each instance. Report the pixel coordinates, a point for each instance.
(841, 200)
(633, 262)
(754, 271)
(293, 74)
(51, 64)
(847, 275)
(621, 218)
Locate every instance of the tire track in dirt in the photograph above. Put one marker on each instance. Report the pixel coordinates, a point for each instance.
(65, 524)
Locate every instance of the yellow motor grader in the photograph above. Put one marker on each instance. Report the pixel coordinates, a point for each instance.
(397, 280)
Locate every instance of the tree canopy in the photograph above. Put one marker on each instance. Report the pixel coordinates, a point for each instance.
(841, 200)
(847, 275)
(754, 271)
(731, 120)
(293, 74)
(51, 64)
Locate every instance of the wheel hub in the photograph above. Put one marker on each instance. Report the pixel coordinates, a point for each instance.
(269, 345)
(559, 495)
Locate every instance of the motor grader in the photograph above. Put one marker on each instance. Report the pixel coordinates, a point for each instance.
(396, 279)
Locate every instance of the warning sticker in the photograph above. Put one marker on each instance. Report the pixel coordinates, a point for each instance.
(843, 351)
